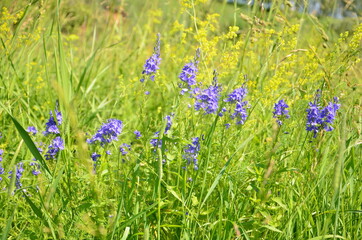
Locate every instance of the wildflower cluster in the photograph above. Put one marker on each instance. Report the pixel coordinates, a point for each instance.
(107, 133)
(280, 111)
(95, 156)
(36, 167)
(51, 125)
(34, 164)
(169, 122)
(32, 130)
(208, 99)
(53, 149)
(191, 152)
(138, 134)
(152, 64)
(188, 75)
(319, 118)
(18, 174)
(124, 149)
(155, 142)
(237, 98)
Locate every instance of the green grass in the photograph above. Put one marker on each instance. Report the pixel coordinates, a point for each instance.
(255, 181)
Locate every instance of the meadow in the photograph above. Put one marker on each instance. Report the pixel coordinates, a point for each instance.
(190, 119)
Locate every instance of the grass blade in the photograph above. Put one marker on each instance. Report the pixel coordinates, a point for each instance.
(40, 214)
(222, 171)
(126, 233)
(30, 144)
(8, 226)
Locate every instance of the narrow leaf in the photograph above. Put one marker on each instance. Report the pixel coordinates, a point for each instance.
(125, 234)
(326, 236)
(8, 226)
(222, 171)
(30, 144)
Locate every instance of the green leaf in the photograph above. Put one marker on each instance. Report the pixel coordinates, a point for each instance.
(326, 236)
(35, 209)
(274, 229)
(30, 144)
(125, 234)
(8, 225)
(222, 171)
(40, 214)
(131, 219)
(280, 202)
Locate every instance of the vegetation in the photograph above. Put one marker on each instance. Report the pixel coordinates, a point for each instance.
(163, 120)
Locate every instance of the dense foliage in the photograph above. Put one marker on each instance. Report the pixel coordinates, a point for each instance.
(188, 119)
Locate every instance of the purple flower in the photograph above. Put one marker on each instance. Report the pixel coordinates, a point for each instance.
(221, 113)
(52, 125)
(240, 113)
(35, 172)
(321, 118)
(147, 92)
(95, 156)
(124, 147)
(191, 152)
(188, 75)
(169, 122)
(329, 114)
(108, 152)
(237, 98)
(32, 130)
(138, 134)
(237, 95)
(208, 99)
(108, 132)
(314, 120)
(53, 149)
(156, 143)
(1, 153)
(18, 174)
(2, 171)
(36, 167)
(152, 64)
(280, 111)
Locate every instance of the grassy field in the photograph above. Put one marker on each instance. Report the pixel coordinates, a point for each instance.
(130, 119)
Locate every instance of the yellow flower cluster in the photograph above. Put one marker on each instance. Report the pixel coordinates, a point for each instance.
(155, 15)
(190, 3)
(208, 40)
(8, 21)
(231, 51)
(276, 57)
(39, 82)
(356, 42)
(180, 28)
